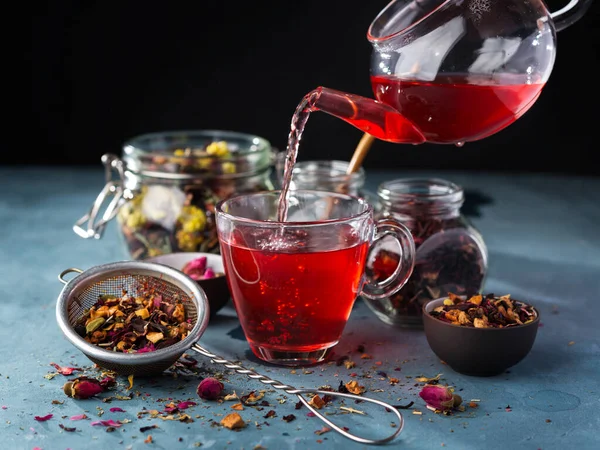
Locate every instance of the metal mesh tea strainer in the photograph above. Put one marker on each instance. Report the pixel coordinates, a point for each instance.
(82, 292)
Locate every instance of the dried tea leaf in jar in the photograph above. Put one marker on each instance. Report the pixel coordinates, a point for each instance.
(451, 255)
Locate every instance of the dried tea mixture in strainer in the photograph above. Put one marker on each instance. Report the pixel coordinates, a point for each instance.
(487, 311)
(135, 324)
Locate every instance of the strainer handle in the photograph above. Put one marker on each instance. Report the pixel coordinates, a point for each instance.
(298, 392)
(67, 271)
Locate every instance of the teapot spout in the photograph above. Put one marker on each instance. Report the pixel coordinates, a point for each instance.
(368, 115)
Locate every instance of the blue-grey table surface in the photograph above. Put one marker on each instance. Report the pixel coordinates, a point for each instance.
(543, 236)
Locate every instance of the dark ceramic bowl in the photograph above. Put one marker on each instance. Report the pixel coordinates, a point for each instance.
(478, 351)
(216, 289)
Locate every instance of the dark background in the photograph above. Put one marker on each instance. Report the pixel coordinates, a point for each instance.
(104, 72)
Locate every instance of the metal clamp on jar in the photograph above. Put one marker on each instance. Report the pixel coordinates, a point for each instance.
(164, 188)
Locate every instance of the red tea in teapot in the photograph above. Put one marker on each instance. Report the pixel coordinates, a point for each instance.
(452, 107)
(445, 71)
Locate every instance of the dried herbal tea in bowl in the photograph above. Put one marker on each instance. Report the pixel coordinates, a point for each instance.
(487, 311)
(134, 323)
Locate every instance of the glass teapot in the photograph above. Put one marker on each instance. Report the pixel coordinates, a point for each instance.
(452, 71)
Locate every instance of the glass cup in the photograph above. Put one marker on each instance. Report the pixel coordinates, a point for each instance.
(294, 283)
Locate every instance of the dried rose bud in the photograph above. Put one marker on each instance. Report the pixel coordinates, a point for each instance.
(208, 273)
(82, 387)
(440, 397)
(107, 382)
(209, 389)
(195, 268)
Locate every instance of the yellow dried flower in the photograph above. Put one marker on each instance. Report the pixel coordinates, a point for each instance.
(135, 219)
(219, 149)
(228, 167)
(192, 219)
(153, 251)
(188, 242)
(131, 214)
(204, 163)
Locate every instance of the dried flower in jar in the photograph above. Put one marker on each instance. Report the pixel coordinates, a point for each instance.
(487, 311)
(170, 215)
(135, 324)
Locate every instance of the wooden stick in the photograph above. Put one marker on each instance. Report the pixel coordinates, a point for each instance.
(360, 152)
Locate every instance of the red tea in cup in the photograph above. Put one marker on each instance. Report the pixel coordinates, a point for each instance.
(294, 283)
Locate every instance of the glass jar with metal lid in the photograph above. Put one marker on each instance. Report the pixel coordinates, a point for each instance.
(451, 255)
(164, 188)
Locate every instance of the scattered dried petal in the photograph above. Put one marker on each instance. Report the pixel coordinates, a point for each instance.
(130, 379)
(43, 418)
(354, 388)
(429, 380)
(351, 410)
(252, 397)
(349, 364)
(65, 370)
(185, 405)
(230, 397)
(78, 417)
(106, 423)
(233, 421)
(316, 402)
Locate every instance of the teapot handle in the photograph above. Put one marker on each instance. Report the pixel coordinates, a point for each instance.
(570, 13)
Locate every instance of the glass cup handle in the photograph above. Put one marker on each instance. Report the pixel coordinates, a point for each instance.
(389, 227)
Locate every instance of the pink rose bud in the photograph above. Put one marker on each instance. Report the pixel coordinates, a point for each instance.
(209, 389)
(208, 273)
(82, 387)
(440, 397)
(196, 265)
